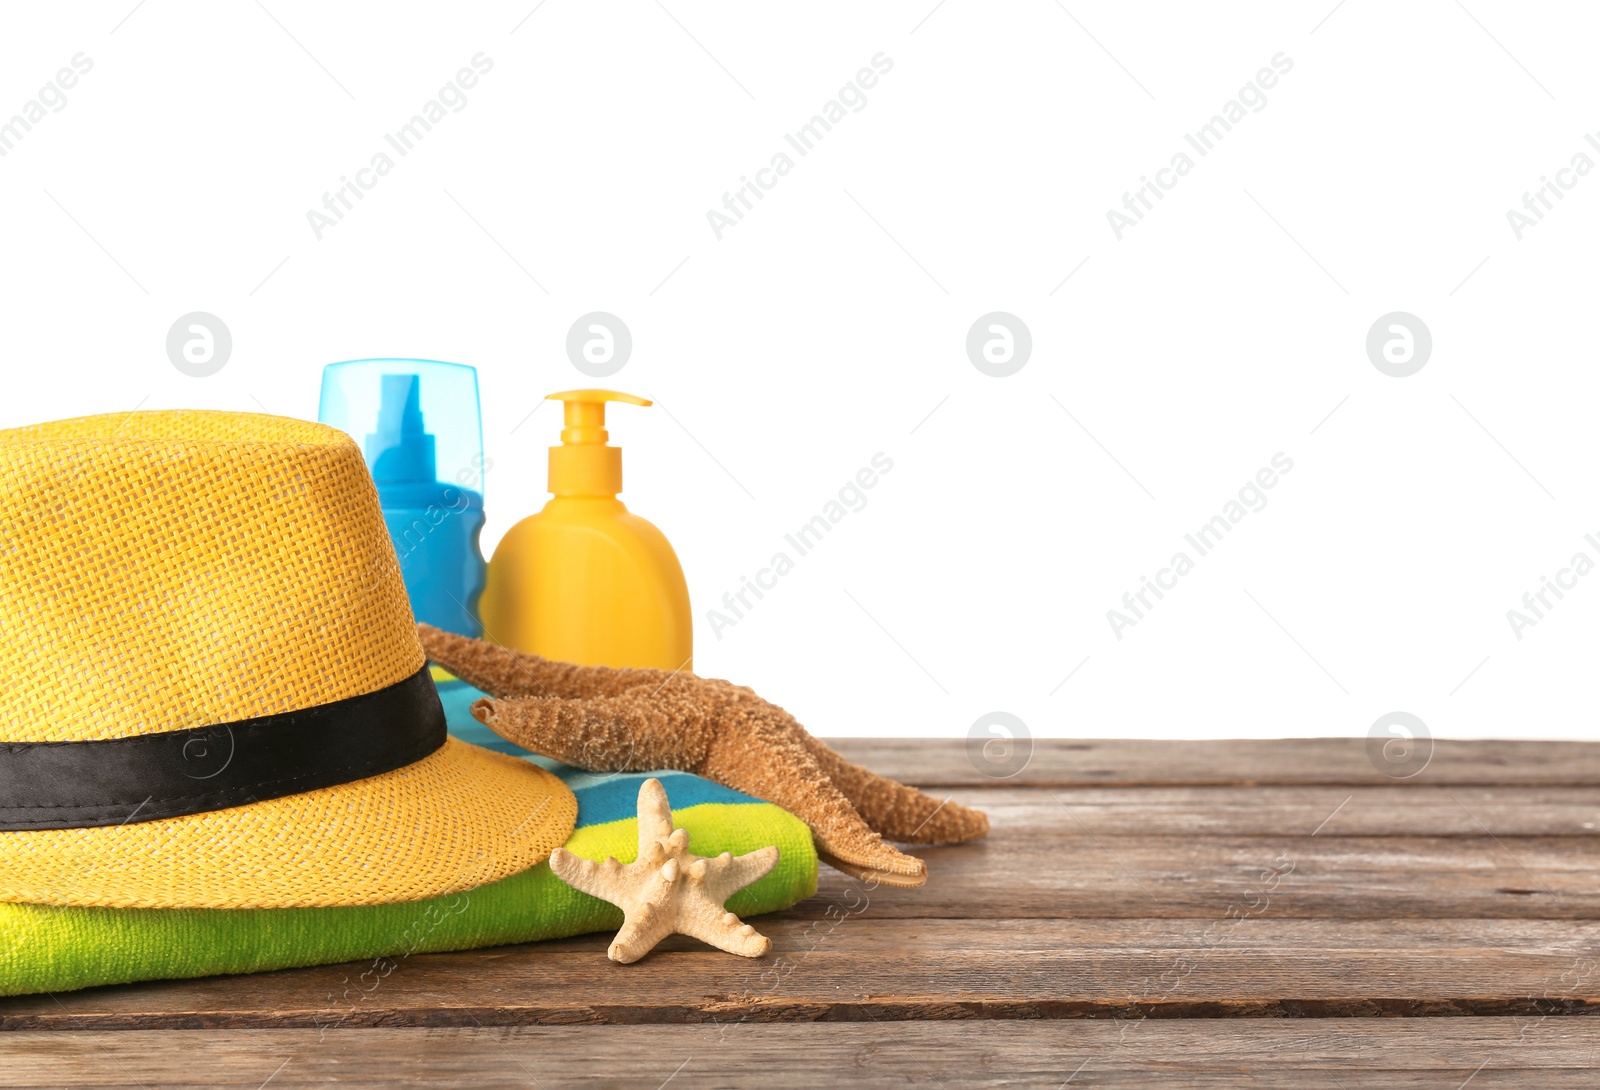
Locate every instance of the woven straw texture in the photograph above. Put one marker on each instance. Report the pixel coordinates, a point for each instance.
(168, 570)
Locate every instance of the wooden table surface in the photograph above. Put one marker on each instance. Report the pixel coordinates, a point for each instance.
(1169, 914)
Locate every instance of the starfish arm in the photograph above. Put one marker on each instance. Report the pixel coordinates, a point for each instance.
(573, 731)
(716, 926)
(770, 763)
(896, 811)
(601, 734)
(501, 671)
(594, 877)
(639, 935)
(727, 874)
(655, 818)
(867, 872)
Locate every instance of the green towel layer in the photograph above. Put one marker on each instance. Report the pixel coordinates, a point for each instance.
(46, 948)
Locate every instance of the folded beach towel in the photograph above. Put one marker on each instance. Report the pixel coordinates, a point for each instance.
(45, 948)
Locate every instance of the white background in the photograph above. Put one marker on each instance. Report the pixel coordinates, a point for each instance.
(831, 322)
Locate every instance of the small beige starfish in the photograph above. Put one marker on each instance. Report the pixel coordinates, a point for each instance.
(668, 890)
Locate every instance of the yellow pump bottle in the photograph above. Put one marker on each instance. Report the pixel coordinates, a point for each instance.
(585, 580)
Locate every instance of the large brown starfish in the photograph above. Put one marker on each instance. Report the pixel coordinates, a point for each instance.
(606, 719)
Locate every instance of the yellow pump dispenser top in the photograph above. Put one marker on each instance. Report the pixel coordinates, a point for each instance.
(584, 464)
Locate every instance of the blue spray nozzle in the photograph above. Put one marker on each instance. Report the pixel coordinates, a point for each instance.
(417, 421)
(400, 450)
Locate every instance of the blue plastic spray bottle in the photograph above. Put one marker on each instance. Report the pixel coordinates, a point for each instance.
(414, 419)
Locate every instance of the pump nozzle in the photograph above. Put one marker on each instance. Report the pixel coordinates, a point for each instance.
(584, 465)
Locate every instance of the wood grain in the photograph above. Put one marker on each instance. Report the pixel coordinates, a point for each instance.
(1199, 1054)
(1025, 873)
(1328, 811)
(1059, 762)
(861, 969)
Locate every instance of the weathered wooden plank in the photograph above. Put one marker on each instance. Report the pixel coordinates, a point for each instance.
(852, 968)
(1027, 873)
(1202, 1054)
(1061, 762)
(1276, 811)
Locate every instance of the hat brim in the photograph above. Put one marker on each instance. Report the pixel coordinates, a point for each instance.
(457, 819)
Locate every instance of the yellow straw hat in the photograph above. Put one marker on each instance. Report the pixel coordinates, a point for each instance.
(213, 691)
